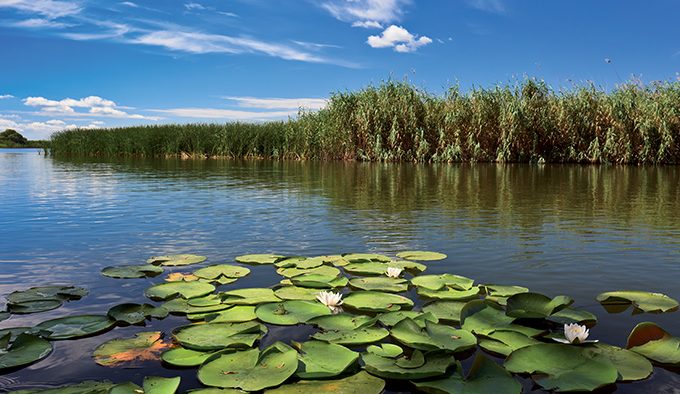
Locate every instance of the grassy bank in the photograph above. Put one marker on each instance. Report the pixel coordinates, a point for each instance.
(395, 121)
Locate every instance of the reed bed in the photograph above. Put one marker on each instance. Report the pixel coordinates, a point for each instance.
(396, 121)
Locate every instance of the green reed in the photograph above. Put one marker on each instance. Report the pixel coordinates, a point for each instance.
(395, 121)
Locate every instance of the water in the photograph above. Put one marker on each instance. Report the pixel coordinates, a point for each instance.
(577, 230)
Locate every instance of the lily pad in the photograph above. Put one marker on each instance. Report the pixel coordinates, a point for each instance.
(160, 385)
(181, 357)
(361, 383)
(74, 326)
(174, 260)
(299, 262)
(145, 346)
(450, 294)
(24, 349)
(290, 312)
(167, 290)
(420, 255)
(438, 282)
(642, 300)
(571, 315)
(535, 305)
(342, 322)
(375, 301)
(323, 270)
(181, 305)
(250, 370)
(296, 293)
(221, 272)
(562, 367)
(504, 342)
(380, 268)
(380, 283)
(323, 360)
(365, 257)
(358, 336)
(434, 364)
(136, 313)
(132, 271)
(481, 318)
(258, 258)
(445, 310)
(216, 336)
(655, 343)
(236, 314)
(250, 296)
(433, 337)
(180, 277)
(319, 281)
(391, 319)
(631, 365)
(43, 298)
(485, 376)
(385, 350)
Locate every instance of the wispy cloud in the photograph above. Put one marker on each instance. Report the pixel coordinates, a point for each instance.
(278, 103)
(398, 38)
(40, 23)
(226, 114)
(194, 6)
(130, 4)
(36, 130)
(494, 6)
(368, 24)
(314, 46)
(5, 96)
(93, 106)
(51, 9)
(371, 12)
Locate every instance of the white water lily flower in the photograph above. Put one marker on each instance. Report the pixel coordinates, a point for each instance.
(393, 272)
(331, 300)
(575, 333)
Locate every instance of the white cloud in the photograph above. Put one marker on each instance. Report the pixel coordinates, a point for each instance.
(228, 114)
(51, 9)
(5, 96)
(398, 38)
(40, 23)
(112, 30)
(95, 106)
(381, 11)
(278, 103)
(494, 6)
(368, 24)
(193, 6)
(129, 4)
(230, 14)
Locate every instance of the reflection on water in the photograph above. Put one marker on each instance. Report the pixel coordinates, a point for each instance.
(576, 229)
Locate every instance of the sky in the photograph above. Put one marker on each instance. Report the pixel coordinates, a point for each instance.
(96, 63)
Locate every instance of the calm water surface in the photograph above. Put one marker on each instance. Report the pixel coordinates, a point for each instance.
(575, 230)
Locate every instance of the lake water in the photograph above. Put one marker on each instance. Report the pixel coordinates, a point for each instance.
(575, 230)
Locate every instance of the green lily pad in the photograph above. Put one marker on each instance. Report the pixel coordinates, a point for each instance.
(535, 305)
(481, 318)
(86, 387)
(361, 383)
(74, 326)
(160, 385)
(414, 360)
(435, 364)
(181, 357)
(322, 270)
(167, 290)
(213, 390)
(380, 268)
(380, 283)
(375, 301)
(485, 376)
(174, 260)
(4, 316)
(225, 273)
(571, 315)
(365, 257)
(433, 337)
(631, 365)
(445, 310)
(342, 322)
(323, 360)
(655, 343)
(299, 262)
(296, 293)
(385, 350)
(439, 282)
(136, 313)
(642, 300)
(290, 312)
(145, 346)
(23, 350)
(216, 336)
(504, 342)
(236, 314)
(420, 255)
(450, 294)
(250, 296)
(250, 370)
(258, 258)
(390, 319)
(358, 336)
(43, 298)
(319, 281)
(562, 367)
(181, 305)
(132, 271)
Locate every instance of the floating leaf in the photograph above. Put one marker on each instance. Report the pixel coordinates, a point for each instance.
(167, 290)
(74, 326)
(181, 305)
(358, 336)
(319, 281)
(160, 385)
(535, 305)
(132, 271)
(250, 370)
(450, 294)
(215, 336)
(439, 282)
(433, 337)
(299, 262)
(631, 366)
(174, 260)
(181, 357)
(290, 312)
(562, 367)
(391, 319)
(221, 272)
(365, 257)
(414, 360)
(342, 322)
(180, 277)
(445, 310)
(420, 255)
(653, 342)
(571, 315)
(323, 360)
(375, 301)
(296, 293)
(258, 258)
(380, 268)
(145, 346)
(485, 376)
(43, 298)
(434, 364)
(482, 318)
(385, 350)
(504, 342)
(361, 383)
(380, 283)
(236, 314)
(250, 296)
(642, 300)
(136, 313)
(24, 349)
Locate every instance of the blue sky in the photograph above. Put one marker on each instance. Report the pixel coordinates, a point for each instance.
(95, 63)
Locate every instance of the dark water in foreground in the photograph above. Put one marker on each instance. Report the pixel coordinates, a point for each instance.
(575, 230)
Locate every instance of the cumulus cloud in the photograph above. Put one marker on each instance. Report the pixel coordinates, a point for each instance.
(368, 11)
(278, 103)
(398, 38)
(5, 96)
(94, 106)
(51, 9)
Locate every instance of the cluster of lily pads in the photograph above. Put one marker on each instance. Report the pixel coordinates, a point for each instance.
(362, 331)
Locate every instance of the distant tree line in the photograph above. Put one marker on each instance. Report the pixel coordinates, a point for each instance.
(13, 139)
